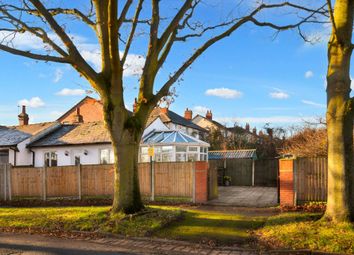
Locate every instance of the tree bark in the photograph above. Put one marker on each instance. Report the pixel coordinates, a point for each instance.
(126, 131)
(340, 205)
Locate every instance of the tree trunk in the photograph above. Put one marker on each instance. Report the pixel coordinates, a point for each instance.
(340, 116)
(126, 132)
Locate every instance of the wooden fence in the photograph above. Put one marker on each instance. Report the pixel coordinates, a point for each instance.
(310, 179)
(246, 172)
(170, 180)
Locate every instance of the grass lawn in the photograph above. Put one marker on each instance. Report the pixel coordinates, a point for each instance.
(306, 231)
(204, 226)
(85, 219)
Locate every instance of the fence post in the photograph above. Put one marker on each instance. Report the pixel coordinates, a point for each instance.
(79, 180)
(152, 181)
(8, 168)
(5, 183)
(44, 182)
(253, 172)
(193, 183)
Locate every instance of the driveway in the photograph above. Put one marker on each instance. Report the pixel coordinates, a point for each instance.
(246, 196)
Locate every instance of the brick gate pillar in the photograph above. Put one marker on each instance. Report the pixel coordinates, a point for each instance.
(201, 181)
(286, 182)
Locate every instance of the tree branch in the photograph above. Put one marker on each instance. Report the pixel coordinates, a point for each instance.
(28, 54)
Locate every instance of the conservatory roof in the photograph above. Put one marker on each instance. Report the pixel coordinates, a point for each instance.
(171, 137)
(233, 154)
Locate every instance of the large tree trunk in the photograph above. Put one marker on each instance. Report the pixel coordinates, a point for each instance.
(126, 132)
(340, 205)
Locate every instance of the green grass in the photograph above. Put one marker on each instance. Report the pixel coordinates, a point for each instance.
(202, 226)
(86, 219)
(307, 231)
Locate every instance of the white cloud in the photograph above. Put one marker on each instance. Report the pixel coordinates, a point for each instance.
(58, 75)
(34, 102)
(201, 110)
(90, 51)
(279, 95)
(270, 119)
(71, 92)
(313, 103)
(308, 74)
(224, 93)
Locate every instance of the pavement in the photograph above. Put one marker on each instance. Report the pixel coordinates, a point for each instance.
(13, 243)
(246, 196)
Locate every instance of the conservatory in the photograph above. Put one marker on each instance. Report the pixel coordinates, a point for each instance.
(172, 146)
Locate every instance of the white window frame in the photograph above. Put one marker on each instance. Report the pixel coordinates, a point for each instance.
(50, 153)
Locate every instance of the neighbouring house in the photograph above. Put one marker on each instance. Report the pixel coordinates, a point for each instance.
(176, 122)
(79, 141)
(207, 122)
(14, 139)
(88, 109)
(172, 145)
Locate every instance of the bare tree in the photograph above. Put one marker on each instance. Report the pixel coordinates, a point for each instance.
(340, 205)
(109, 19)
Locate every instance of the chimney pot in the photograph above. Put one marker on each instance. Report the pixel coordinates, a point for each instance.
(188, 114)
(23, 117)
(209, 115)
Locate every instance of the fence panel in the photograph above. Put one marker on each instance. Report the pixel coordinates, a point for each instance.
(145, 179)
(97, 180)
(26, 182)
(62, 181)
(174, 179)
(311, 179)
(266, 172)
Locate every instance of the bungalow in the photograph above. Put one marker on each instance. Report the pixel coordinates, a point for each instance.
(75, 138)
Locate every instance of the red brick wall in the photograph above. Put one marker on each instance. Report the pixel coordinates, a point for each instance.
(201, 181)
(286, 172)
(91, 110)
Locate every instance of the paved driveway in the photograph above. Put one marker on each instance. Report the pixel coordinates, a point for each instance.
(246, 196)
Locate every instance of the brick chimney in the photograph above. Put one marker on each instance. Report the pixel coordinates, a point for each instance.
(254, 131)
(78, 118)
(247, 127)
(209, 115)
(188, 114)
(135, 105)
(23, 118)
(164, 110)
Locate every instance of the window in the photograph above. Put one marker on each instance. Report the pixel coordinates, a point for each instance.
(193, 149)
(181, 148)
(106, 156)
(192, 157)
(50, 159)
(203, 153)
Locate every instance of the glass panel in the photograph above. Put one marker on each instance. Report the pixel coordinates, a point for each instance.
(144, 150)
(47, 159)
(158, 158)
(54, 159)
(104, 157)
(193, 149)
(166, 157)
(180, 157)
(144, 158)
(111, 156)
(181, 148)
(77, 160)
(167, 148)
(192, 157)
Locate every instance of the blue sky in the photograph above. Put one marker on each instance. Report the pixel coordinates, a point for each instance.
(248, 77)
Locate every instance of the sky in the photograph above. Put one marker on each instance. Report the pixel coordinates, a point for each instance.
(249, 77)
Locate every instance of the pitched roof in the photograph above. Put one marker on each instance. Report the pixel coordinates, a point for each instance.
(171, 137)
(75, 134)
(173, 117)
(219, 125)
(235, 154)
(13, 135)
